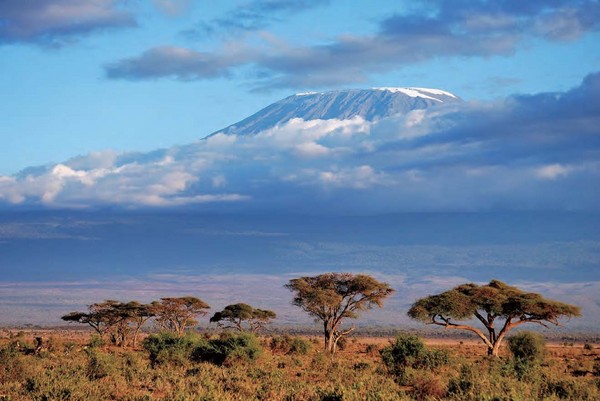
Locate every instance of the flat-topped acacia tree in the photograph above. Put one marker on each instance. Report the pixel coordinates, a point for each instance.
(176, 314)
(243, 317)
(333, 297)
(117, 319)
(498, 306)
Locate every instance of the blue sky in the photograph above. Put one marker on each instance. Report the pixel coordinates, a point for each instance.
(67, 91)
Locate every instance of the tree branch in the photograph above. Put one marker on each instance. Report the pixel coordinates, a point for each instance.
(449, 325)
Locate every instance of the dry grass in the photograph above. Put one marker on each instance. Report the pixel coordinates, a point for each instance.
(67, 369)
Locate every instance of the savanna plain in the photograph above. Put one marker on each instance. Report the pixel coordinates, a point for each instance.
(69, 364)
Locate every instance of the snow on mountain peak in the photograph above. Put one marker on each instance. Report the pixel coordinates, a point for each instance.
(369, 104)
(418, 92)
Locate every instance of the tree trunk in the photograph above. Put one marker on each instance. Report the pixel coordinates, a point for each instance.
(135, 336)
(498, 342)
(330, 341)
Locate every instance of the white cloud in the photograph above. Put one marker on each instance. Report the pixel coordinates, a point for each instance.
(511, 154)
(552, 171)
(311, 149)
(360, 177)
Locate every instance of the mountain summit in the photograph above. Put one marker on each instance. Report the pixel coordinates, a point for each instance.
(370, 104)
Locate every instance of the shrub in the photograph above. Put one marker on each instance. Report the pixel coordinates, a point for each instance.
(96, 341)
(290, 345)
(527, 346)
(528, 351)
(11, 364)
(464, 384)
(426, 387)
(568, 388)
(228, 347)
(371, 349)
(330, 395)
(168, 347)
(588, 347)
(342, 343)
(100, 365)
(409, 351)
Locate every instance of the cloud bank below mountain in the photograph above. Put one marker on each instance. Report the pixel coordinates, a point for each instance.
(531, 152)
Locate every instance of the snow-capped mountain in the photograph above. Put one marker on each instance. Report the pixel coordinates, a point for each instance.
(370, 104)
(353, 151)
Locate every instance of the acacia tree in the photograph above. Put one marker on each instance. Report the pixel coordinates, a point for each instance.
(491, 304)
(333, 297)
(139, 314)
(116, 319)
(234, 317)
(176, 314)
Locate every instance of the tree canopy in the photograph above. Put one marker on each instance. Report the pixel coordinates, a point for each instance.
(120, 321)
(333, 297)
(243, 317)
(176, 314)
(487, 303)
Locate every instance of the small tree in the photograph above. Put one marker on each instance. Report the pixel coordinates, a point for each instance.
(116, 319)
(102, 316)
(139, 314)
(487, 304)
(243, 317)
(176, 314)
(333, 297)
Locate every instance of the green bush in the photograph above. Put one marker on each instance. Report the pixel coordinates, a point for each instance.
(463, 385)
(409, 351)
(100, 365)
(527, 346)
(528, 351)
(170, 348)
(96, 341)
(290, 345)
(228, 347)
(568, 389)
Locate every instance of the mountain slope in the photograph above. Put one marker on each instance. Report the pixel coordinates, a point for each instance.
(370, 104)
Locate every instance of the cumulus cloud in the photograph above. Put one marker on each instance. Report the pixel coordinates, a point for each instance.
(428, 30)
(525, 152)
(56, 22)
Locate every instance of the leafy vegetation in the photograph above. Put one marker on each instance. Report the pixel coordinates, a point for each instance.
(528, 350)
(180, 364)
(409, 351)
(333, 297)
(289, 345)
(233, 366)
(169, 348)
(243, 317)
(487, 304)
